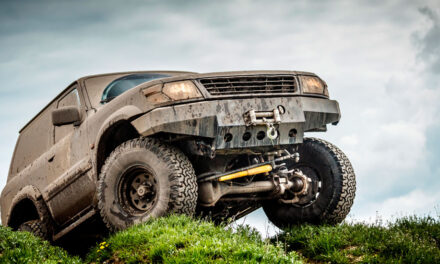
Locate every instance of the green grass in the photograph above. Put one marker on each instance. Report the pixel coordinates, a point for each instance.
(407, 240)
(23, 247)
(179, 239)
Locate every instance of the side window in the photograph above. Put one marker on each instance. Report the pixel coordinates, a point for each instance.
(70, 99)
(34, 140)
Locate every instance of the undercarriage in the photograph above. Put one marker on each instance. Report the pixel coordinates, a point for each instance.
(240, 190)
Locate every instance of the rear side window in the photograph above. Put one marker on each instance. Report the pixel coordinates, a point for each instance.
(33, 141)
(125, 83)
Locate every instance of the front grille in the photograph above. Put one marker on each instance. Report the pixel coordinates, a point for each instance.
(250, 84)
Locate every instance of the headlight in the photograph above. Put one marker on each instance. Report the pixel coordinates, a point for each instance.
(181, 90)
(174, 91)
(313, 85)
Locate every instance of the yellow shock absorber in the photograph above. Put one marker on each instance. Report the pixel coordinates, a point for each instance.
(249, 172)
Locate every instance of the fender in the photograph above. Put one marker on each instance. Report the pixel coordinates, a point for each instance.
(123, 114)
(28, 192)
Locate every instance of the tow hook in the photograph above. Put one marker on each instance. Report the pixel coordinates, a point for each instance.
(272, 133)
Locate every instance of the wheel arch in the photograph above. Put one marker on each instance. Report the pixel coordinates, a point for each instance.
(115, 130)
(25, 206)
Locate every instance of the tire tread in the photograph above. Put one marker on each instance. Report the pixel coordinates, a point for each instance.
(36, 227)
(183, 184)
(340, 211)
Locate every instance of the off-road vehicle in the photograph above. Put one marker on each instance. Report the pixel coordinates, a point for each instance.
(131, 146)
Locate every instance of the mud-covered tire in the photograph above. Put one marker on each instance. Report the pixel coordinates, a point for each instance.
(41, 227)
(169, 172)
(35, 227)
(325, 162)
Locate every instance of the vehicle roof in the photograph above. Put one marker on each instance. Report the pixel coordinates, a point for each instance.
(173, 74)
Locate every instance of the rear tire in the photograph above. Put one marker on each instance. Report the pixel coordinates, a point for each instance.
(41, 227)
(142, 179)
(327, 165)
(35, 227)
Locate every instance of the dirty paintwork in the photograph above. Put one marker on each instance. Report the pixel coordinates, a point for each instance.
(215, 119)
(60, 164)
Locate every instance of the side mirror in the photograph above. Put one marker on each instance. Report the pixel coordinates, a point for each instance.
(65, 115)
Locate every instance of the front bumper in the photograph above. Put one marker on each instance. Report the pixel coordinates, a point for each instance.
(221, 119)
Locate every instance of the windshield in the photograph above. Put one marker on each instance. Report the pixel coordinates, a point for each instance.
(127, 82)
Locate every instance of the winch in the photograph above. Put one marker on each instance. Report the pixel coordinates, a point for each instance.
(268, 118)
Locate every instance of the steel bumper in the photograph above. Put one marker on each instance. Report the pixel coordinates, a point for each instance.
(223, 120)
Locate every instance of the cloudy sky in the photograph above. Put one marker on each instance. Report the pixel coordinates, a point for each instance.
(381, 60)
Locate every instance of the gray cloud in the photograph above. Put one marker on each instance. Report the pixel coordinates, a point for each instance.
(429, 41)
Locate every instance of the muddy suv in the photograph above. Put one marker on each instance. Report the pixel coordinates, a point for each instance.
(126, 147)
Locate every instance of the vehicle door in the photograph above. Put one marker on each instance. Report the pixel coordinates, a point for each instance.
(72, 189)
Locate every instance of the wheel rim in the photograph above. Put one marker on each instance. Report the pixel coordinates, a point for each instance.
(137, 190)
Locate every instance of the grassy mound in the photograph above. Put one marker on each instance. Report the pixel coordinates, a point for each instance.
(179, 239)
(408, 240)
(23, 247)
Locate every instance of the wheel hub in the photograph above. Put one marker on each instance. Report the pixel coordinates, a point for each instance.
(298, 184)
(308, 195)
(138, 190)
(142, 190)
(298, 187)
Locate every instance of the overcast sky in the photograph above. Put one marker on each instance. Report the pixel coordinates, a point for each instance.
(381, 60)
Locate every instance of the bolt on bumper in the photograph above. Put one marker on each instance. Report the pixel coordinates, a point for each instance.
(226, 121)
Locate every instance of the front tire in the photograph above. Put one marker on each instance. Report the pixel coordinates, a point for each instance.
(142, 179)
(332, 175)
